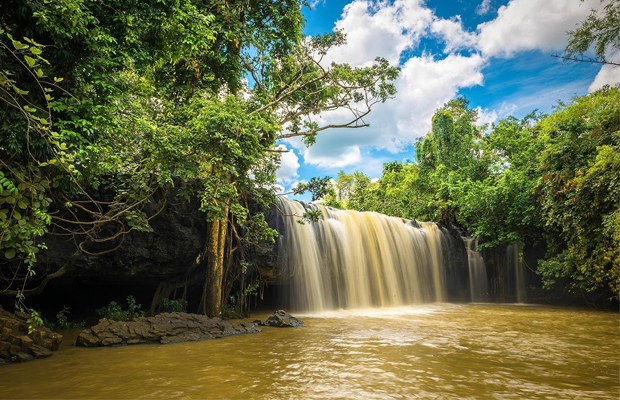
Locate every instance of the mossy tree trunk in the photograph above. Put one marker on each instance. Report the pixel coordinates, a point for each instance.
(212, 290)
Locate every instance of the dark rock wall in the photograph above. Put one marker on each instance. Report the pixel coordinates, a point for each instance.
(456, 265)
(179, 235)
(143, 261)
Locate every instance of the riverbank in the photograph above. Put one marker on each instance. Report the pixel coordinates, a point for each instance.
(21, 340)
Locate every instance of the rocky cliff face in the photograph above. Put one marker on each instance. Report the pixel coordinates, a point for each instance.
(144, 260)
(179, 234)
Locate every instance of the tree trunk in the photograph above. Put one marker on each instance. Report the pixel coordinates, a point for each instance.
(212, 290)
(163, 292)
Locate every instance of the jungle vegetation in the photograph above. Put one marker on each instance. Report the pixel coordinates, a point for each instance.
(132, 99)
(551, 180)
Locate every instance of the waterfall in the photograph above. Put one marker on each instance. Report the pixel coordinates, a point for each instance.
(478, 285)
(514, 256)
(351, 259)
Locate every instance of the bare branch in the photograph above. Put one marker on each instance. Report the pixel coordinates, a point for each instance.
(586, 59)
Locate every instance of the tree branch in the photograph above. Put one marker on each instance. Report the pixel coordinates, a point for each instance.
(586, 59)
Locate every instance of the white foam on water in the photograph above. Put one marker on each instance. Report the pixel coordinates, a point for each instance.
(425, 309)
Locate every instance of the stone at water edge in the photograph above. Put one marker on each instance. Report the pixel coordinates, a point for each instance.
(163, 328)
(282, 319)
(17, 345)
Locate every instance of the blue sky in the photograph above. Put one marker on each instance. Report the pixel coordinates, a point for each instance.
(497, 53)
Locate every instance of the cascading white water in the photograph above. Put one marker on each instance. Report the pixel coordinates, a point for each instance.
(478, 285)
(351, 259)
(514, 256)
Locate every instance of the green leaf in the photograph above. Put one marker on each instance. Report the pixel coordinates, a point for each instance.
(39, 73)
(19, 45)
(35, 51)
(19, 91)
(9, 254)
(22, 203)
(31, 61)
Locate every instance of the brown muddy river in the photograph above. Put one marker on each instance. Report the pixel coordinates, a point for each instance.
(434, 351)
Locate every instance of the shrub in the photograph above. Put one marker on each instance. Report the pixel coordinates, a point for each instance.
(115, 312)
(62, 322)
(174, 305)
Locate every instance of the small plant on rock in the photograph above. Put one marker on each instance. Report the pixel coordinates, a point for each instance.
(174, 305)
(62, 322)
(35, 321)
(115, 312)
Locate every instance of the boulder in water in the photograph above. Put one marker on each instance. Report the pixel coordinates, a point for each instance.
(282, 319)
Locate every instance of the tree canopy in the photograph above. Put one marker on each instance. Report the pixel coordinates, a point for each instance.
(130, 98)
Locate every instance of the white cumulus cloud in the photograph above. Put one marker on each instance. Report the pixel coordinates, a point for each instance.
(289, 164)
(532, 25)
(453, 34)
(486, 116)
(380, 29)
(387, 29)
(608, 75)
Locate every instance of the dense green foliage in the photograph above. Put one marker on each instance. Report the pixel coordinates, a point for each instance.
(153, 95)
(580, 192)
(552, 180)
(132, 100)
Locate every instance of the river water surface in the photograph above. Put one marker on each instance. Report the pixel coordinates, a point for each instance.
(435, 351)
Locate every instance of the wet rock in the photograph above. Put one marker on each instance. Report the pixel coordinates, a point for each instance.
(39, 351)
(23, 357)
(282, 319)
(17, 345)
(163, 328)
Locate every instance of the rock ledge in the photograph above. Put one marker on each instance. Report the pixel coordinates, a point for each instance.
(17, 345)
(163, 328)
